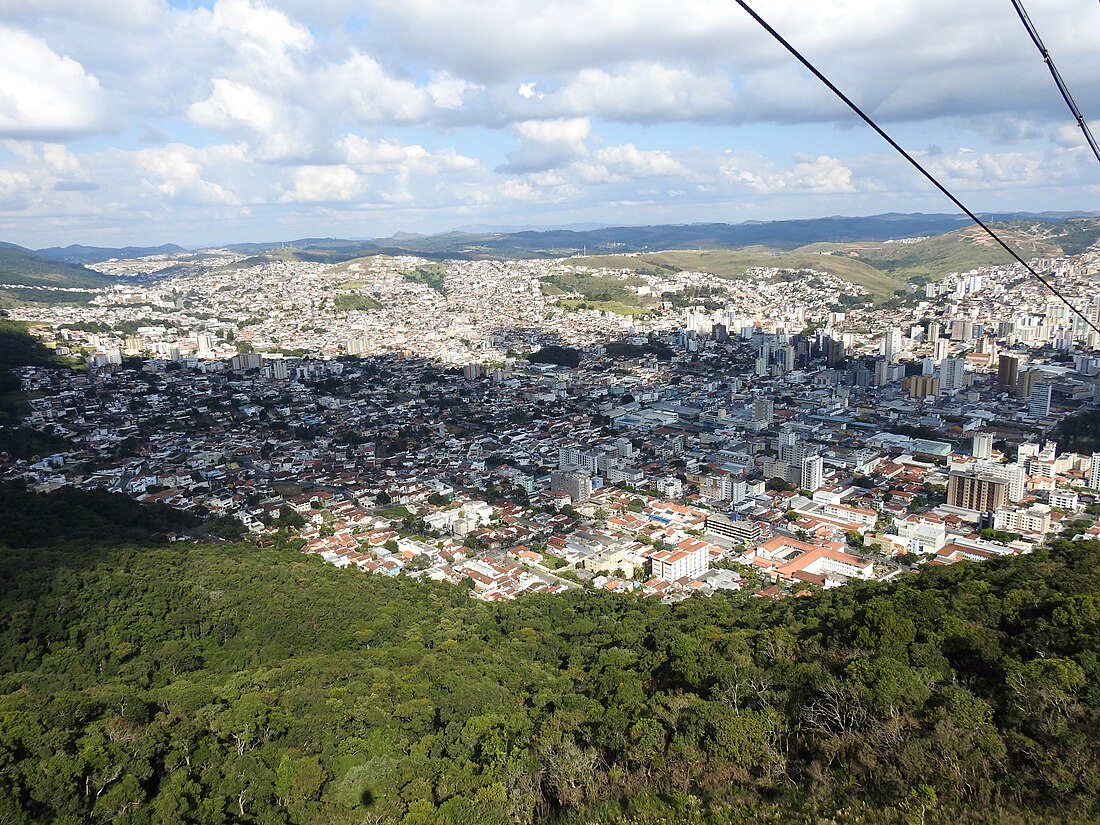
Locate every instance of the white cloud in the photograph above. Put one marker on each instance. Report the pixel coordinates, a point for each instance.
(979, 170)
(820, 174)
(569, 131)
(275, 129)
(232, 105)
(326, 104)
(117, 15)
(59, 160)
(629, 160)
(708, 60)
(1070, 136)
(527, 91)
(648, 91)
(516, 190)
(263, 34)
(490, 40)
(370, 94)
(324, 184)
(177, 172)
(42, 93)
(447, 91)
(372, 156)
(14, 187)
(545, 144)
(382, 156)
(823, 174)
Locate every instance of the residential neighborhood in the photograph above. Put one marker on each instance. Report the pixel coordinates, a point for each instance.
(789, 438)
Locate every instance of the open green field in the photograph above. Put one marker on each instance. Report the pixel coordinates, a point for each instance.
(603, 292)
(359, 303)
(430, 275)
(345, 266)
(617, 307)
(20, 271)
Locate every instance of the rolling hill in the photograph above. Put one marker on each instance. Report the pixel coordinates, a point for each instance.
(24, 268)
(879, 267)
(732, 263)
(23, 274)
(77, 254)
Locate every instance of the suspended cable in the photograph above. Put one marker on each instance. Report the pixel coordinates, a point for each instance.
(913, 161)
(1080, 118)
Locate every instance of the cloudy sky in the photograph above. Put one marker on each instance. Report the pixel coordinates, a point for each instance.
(209, 121)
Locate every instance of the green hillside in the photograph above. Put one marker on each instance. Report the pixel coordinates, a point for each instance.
(604, 292)
(732, 263)
(25, 269)
(233, 684)
(969, 248)
(880, 268)
(20, 268)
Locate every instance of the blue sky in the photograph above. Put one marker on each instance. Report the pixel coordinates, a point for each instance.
(145, 121)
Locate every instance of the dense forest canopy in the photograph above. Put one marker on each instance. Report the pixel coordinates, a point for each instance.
(553, 354)
(231, 683)
(1080, 432)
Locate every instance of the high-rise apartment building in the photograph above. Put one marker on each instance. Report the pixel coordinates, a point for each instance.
(577, 485)
(891, 344)
(762, 410)
(1026, 380)
(982, 446)
(952, 375)
(973, 491)
(1038, 400)
(813, 470)
(1008, 372)
(924, 386)
(1094, 472)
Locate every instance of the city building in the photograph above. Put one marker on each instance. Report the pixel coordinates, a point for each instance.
(1038, 400)
(812, 472)
(576, 485)
(1008, 372)
(982, 445)
(689, 559)
(952, 375)
(1094, 472)
(979, 493)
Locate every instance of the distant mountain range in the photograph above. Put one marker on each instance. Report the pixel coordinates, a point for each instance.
(782, 235)
(77, 254)
(481, 228)
(62, 267)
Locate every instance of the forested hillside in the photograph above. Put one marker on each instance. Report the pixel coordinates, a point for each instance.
(218, 684)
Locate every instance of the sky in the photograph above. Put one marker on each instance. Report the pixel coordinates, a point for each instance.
(202, 122)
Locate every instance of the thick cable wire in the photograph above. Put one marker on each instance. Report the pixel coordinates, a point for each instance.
(913, 161)
(1062, 87)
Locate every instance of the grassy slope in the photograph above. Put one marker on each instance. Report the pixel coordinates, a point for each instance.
(358, 303)
(969, 248)
(732, 263)
(881, 268)
(24, 269)
(927, 260)
(345, 266)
